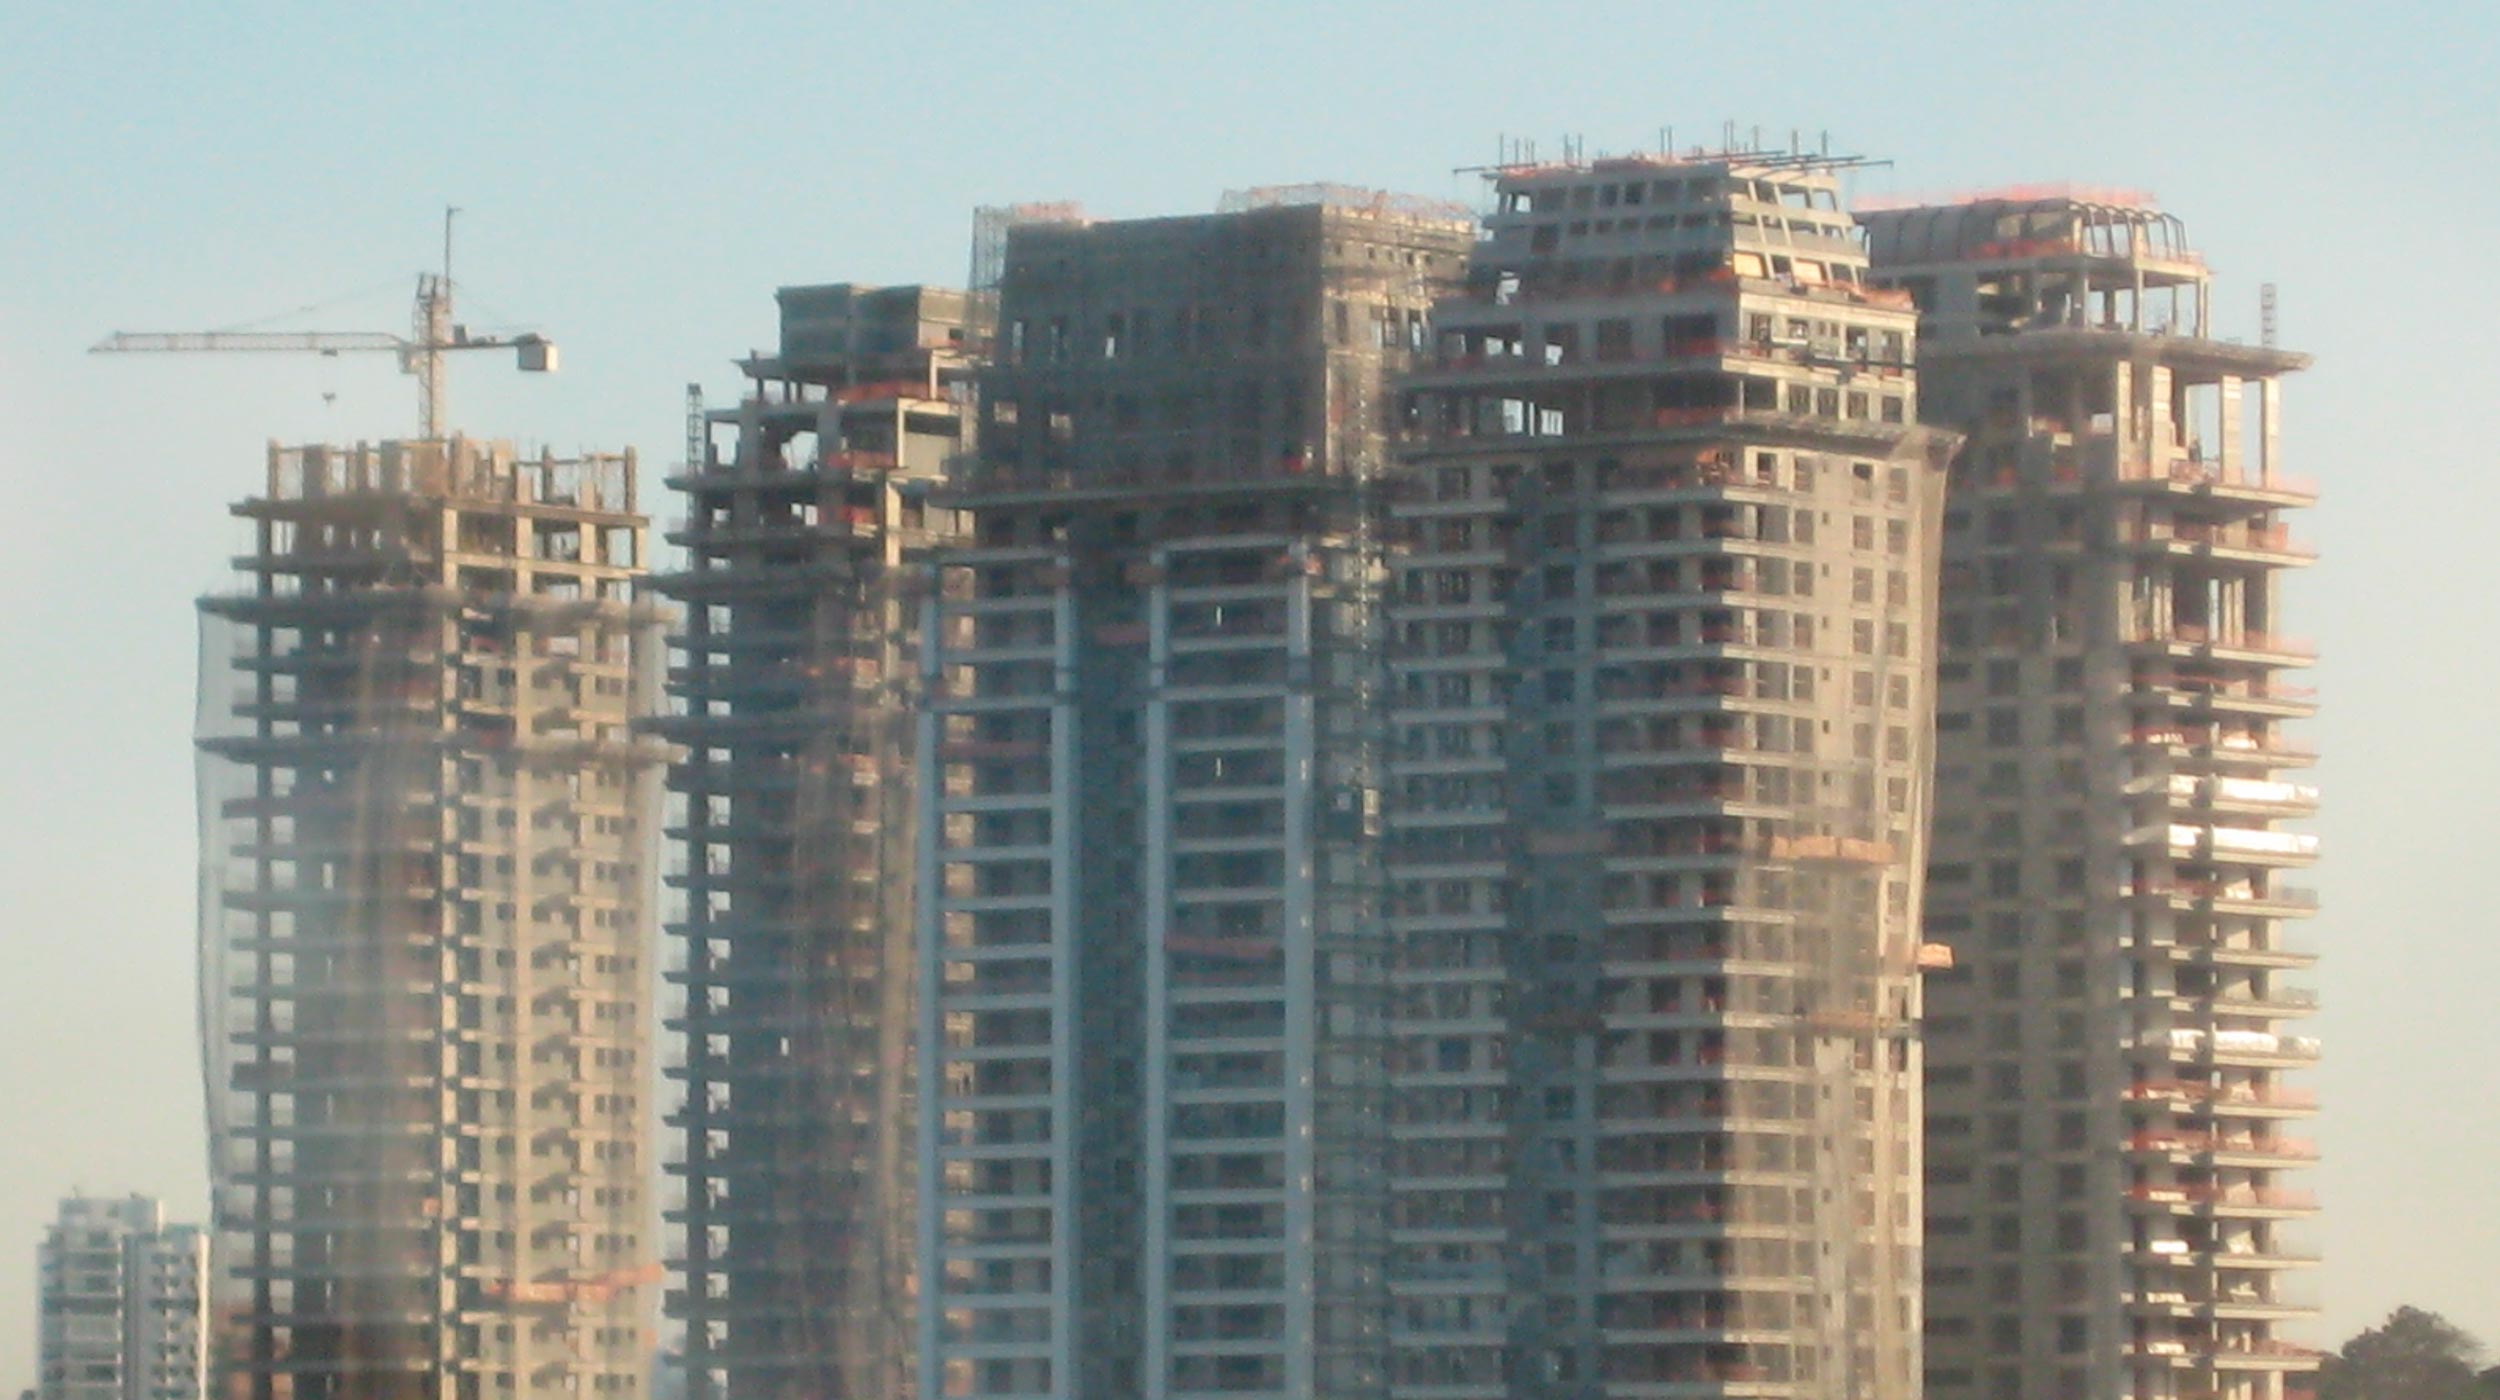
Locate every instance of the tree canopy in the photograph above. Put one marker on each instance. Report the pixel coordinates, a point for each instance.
(2414, 1355)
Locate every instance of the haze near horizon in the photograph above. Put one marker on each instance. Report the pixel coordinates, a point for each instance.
(638, 179)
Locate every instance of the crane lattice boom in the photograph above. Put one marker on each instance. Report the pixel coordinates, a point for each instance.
(323, 342)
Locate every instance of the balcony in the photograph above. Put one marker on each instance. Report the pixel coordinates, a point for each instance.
(2203, 1199)
(2189, 474)
(2276, 1002)
(2236, 897)
(2197, 695)
(2228, 844)
(2259, 1049)
(2265, 544)
(2236, 1353)
(2251, 1101)
(2261, 1354)
(2243, 1299)
(2240, 1148)
(2220, 745)
(2191, 641)
(2253, 796)
(2260, 1259)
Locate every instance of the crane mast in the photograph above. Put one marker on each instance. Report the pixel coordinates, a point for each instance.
(433, 328)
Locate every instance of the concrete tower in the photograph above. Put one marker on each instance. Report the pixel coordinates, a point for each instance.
(1663, 592)
(426, 926)
(2109, 1124)
(1153, 975)
(807, 531)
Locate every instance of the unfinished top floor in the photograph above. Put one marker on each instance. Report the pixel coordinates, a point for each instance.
(1646, 218)
(1206, 352)
(457, 471)
(1211, 287)
(2042, 256)
(869, 383)
(846, 333)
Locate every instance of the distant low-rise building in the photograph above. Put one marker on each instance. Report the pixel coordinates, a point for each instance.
(122, 1304)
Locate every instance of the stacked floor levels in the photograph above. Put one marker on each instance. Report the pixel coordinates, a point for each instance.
(806, 519)
(123, 1306)
(426, 926)
(1152, 969)
(1663, 590)
(2111, 1133)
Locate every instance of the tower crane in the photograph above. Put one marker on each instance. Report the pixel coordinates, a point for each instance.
(433, 334)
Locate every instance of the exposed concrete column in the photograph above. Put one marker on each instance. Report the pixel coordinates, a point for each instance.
(2269, 428)
(1067, 1236)
(1155, 919)
(2122, 411)
(2230, 444)
(2257, 602)
(929, 934)
(2162, 431)
(1301, 977)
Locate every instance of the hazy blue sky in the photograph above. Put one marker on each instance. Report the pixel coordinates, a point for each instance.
(639, 177)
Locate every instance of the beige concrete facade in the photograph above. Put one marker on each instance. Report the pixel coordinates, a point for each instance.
(1662, 596)
(2112, 1131)
(426, 926)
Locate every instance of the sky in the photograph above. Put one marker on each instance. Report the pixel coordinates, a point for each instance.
(636, 179)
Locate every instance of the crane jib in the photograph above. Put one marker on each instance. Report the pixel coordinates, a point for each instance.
(420, 354)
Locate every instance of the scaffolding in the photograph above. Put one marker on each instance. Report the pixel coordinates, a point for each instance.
(990, 223)
(1154, 978)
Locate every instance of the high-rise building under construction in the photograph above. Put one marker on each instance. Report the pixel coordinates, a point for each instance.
(1153, 976)
(2108, 1122)
(425, 924)
(1361, 827)
(807, 532)
(1664, 561)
